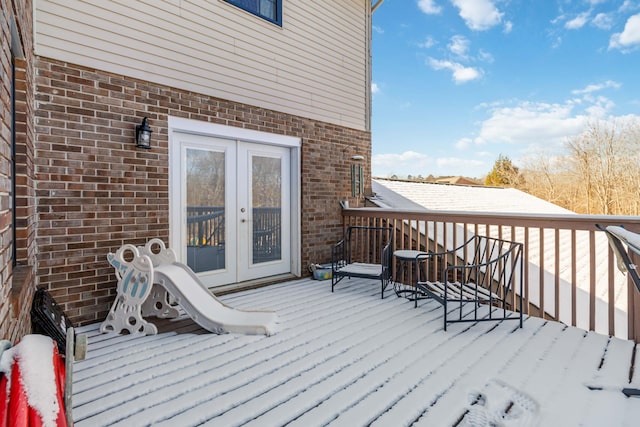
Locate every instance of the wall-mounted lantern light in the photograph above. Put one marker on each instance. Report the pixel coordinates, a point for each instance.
(143, 135)
(357, 176)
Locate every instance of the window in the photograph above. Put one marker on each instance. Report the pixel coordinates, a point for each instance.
(271, 10)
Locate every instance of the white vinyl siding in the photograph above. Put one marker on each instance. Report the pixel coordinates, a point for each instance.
(314, 66)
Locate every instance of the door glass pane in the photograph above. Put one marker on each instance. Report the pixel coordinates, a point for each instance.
(205, 210)
(266, 190)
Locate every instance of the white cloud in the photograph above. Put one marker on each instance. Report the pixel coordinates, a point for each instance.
(530, 127)
(599, 108)
(374, 88)
(531, 123)
(628, 39)
(629, 5)
(428, 43)
(478, 14)
(508, 26)
(603, 21)
(413, 163)
(485, 56)
(463, 143)
(465, 74)
(429, 7)
(484, 154)
(378, 29)
(459, 45)
(407, 163)
(558, 19)
(534, 127)
(460, 73)
(459, 163)
(578, 22)
(597, 87)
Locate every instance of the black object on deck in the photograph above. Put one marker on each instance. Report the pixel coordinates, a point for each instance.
(48, 318)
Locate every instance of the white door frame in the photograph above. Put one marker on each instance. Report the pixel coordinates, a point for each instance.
(182, 125)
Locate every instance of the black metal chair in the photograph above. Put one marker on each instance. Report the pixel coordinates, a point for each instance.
(364, 252)
(482, 271)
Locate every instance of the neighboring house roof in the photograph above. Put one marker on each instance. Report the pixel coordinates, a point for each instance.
(460, 180)
(442, 197)
(434, 196)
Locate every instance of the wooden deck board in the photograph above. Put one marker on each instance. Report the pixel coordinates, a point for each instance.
(440, 368)
(345, 358)
(321, 382)
(453, 404)
(605, 404)
(578, 374)
(285, 367)
(196, 369)
(390, 381)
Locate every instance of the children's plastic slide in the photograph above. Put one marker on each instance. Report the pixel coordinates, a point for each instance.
(153, 283)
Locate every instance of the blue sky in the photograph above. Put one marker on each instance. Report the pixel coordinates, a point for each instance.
(456, 83)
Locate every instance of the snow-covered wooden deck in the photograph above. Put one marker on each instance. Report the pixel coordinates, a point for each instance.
(350, 358)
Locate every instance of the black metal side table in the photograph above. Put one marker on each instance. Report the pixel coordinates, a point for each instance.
(411, 257)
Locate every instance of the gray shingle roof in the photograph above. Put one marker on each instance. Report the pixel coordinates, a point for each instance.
(412, 195)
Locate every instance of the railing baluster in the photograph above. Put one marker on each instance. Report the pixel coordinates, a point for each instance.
(611, 292)
(574, 280)
(633, 306)
(541, 304)
(527, 303)
(592, 281)
(513, 291)
(556, 263)
(572, 293)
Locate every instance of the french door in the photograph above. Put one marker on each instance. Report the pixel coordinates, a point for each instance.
(234, 211)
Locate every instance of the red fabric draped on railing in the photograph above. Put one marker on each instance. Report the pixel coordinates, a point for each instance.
(32, 384)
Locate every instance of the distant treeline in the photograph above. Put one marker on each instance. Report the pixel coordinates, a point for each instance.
(599, 174)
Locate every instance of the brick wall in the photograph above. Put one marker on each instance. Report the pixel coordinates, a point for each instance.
(96, 191)
(17, 282)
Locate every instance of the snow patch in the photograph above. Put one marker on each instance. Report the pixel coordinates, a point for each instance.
(35, 356)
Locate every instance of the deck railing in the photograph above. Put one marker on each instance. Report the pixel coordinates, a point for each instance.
(571, 273)
(206, 229)
(205, 225)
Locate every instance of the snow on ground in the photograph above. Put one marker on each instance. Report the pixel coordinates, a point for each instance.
(351, 358)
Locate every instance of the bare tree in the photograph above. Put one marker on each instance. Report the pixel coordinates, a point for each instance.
(600, 174)
(541, 178)
(267, 182)
(205, 178)
(601, 158)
